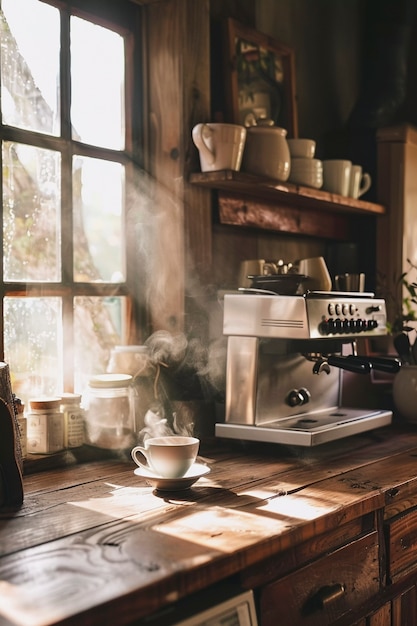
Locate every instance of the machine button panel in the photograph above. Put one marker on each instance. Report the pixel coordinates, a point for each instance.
(349, 317)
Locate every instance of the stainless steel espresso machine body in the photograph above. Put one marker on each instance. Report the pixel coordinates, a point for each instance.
(285, 362)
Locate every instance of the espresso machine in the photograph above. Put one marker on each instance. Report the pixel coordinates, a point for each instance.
(285, 359)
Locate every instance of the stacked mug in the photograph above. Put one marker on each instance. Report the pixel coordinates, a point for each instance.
(344, 178)
(305, 169)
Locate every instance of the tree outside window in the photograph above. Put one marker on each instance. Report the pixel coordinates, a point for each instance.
(66, 156)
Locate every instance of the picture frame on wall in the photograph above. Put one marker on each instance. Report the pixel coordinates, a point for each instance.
(259, 79)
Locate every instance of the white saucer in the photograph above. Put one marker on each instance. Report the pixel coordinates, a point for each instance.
(174, 484)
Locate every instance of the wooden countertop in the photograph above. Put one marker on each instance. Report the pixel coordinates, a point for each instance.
(94, 544)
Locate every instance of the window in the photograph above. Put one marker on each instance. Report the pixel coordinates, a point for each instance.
(68, 141)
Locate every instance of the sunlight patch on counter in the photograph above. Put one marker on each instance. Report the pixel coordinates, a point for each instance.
(221, 528)
(122, 502)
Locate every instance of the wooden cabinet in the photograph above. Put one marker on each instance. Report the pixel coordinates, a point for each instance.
(323, 591)
(362, 573)
(401, 536)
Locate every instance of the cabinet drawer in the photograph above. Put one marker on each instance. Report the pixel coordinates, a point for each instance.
(401, 533)
(321, 592)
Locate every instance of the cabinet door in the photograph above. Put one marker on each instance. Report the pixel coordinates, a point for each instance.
(404, 608)
(381, 617)
(401, 533)
(323, 591)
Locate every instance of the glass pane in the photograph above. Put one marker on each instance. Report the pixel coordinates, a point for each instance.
(97, 88)
(99, 234)
(31, 213)
(33, 345)
(99, 325)
(30, 65)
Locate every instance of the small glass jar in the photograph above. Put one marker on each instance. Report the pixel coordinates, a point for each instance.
(73, 420)
(135, 360)
(45, 426)
(109, 412)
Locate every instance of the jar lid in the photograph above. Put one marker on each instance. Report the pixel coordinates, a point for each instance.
(45, 403)
(102, 381)
(70, 398)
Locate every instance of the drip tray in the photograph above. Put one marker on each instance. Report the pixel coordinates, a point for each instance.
(310, 429)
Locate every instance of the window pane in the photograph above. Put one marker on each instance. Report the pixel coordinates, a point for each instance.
(30, 65)
(31, 213)
(33, 340)
(97, 85)
(99, 325)
(99, 250)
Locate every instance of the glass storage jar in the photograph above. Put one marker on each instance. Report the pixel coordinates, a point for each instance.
(135, 360)
(109, 412)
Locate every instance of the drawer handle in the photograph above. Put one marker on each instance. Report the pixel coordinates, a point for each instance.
(330, 593)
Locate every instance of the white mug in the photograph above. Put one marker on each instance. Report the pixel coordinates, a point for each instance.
(168, 457)
(336, 176)
(360, 182)
(220, 145)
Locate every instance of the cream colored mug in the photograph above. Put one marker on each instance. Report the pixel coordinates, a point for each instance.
(267, 152)
(360, 182)
(220, 145)
(167, 457)
(336, 176)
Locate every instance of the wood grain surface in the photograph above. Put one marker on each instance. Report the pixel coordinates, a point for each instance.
(99, 546)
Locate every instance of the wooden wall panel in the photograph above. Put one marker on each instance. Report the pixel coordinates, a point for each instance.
(178, 76)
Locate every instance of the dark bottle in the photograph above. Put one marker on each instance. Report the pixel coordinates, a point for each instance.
(11, 485)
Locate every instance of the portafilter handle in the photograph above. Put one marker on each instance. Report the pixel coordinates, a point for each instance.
(382, 364)
(364, 364)
(350, 363)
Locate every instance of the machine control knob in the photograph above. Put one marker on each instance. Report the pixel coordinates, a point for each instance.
(324, 328)
(298, 397)
(374, 308)
(346, 326)
(352, 326)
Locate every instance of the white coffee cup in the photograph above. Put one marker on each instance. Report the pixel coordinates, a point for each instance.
(360, 182)
(220, 145)
(336, 176)
(168, 457)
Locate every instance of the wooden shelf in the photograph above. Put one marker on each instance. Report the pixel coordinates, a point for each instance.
(287, 193)
(256, 202)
